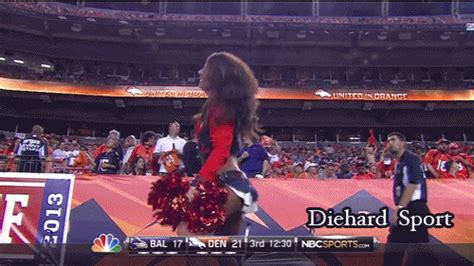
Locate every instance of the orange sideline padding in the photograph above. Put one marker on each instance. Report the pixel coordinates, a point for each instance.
(285, 201)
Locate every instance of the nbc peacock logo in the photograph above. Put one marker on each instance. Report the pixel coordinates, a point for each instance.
(106, 244)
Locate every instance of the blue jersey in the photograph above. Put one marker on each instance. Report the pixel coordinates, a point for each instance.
(409, 170)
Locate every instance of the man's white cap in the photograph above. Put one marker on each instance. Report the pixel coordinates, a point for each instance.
(308, 165)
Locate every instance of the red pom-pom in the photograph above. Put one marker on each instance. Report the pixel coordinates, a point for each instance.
(207, 212)
(168, 199)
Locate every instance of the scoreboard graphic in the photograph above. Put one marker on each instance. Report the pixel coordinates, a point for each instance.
(34, 209)
(240, 245)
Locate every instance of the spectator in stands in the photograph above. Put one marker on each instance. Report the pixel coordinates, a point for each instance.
(108, 162)
(322, 170)
(83, 161)
(60, 162)
(344, 172)
(278, 170)
(128, 144)
(144, 150)
(103, 148)
(436, 159)
(69, 10)
(32, 152)
(191, 158)
(463, 160)
(311, 170)
(272, 152)
(329, 149)
(139, 167)
(59, 154)
(385, 168)
(330, 171)
(370, 152)
(297, 170)
(253, 159)
(362, 172)
(73, 154)
(10, 154)
(170, 144)
(372, 169)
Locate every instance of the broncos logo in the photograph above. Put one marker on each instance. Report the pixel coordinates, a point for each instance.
(322, 93)
(134, 91)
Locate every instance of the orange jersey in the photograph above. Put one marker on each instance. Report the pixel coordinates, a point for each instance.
(438, 161)
(82, 160)
(101, 149)
(142, 151)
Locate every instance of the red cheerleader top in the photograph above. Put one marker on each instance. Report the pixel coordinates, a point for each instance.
(217, 141)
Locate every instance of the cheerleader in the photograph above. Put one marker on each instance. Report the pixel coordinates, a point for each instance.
(214, 202)
(228, 114)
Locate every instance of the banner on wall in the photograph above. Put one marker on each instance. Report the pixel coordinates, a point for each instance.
(35, 210)
(316, 94)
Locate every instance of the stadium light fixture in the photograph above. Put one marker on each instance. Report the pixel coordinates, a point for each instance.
(46, 66)
(2, 58)
(18, 61)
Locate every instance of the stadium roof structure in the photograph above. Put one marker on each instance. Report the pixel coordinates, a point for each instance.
(190, 38)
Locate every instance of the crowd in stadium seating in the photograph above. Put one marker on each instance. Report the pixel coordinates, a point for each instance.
(268, 77)
(324, 160)
(67, 10)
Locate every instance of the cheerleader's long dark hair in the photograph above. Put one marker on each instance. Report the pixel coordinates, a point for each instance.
(234, 88)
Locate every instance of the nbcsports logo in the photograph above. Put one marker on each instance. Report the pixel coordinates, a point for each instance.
(106, 244)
